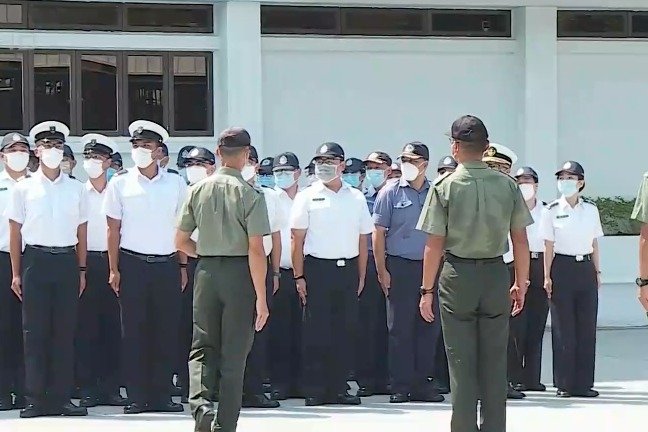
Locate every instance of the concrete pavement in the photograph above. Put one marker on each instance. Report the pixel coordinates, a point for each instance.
(622, 379)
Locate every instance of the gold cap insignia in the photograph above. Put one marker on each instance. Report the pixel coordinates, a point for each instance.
(491, 151)
(324, 149)
(283, 160)
(409, 148)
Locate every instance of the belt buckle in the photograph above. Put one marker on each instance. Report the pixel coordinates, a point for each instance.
(535, 255)
(341, 263)
(579, 258)
(150, 259)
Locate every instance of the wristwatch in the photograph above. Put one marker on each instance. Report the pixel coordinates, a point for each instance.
(424, 291)
(641, 282)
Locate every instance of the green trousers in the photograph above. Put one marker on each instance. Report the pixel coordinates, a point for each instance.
(475, 308)
(223, 331)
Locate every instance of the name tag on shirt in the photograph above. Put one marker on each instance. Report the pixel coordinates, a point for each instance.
(402, 204)
(320, 203)
(3, 189)
(562, 216)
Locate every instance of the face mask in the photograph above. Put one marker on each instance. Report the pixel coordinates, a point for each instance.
(248, 172)
(142, 157)
(110, 172)
(17, 161)
(568, 188)
(352, 178)
(528, 191)
(326, 173)
(93, 168)
(196, 173)
(284, 179)
(52, 157)
(409, 171)
(375, 177)
(266, 180)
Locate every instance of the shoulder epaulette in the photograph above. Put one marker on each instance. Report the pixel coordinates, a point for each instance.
(552, 204)
(589, 201)
(544, 203)
(440, 179)
(121, 172)
(172, 171)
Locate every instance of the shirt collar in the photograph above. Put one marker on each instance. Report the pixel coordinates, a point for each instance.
(565, 205)
(90, 187)
(404, 183)
(319, 186)
(230, 171)
(61, 177)
(473, 164)
(160, 173)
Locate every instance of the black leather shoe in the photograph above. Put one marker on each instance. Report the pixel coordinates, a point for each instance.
(533, 388)
(167, 407)
(443, 388)
(585, 394)
(89, 402)
(345, 399)
(71, 410)
(259, 401)
(348, 387)
(136, 408)
(278, 395)
(184, 399)
(399, 398)
(514, 394)
(6, 404)
(19, 402)
(32, 411)
(563, 393)
(112, 400)
(429, 395)
(176, 391)
(204, 419)
(313, 401)
(364, 392)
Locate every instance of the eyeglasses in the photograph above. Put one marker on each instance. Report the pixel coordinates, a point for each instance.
(49, 144)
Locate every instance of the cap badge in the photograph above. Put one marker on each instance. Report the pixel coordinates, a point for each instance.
(349, 162)
(283, 160)
(186, 153)
(15, 137)
(52, 128)
(520, 172)
(409, 148)
(447, 161)
(93, 141)
(265, 162)
(374, 156)
(567, 165)
(140, 129)
(491, 151)
(323, 149)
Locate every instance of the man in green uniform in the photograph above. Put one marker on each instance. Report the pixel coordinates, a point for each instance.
(468, 215)
(640, 214)
(231, 218)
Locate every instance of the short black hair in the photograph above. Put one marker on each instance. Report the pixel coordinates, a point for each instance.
(227, 151)
(473, 147)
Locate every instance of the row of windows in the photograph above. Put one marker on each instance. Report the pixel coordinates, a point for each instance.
(105, 91)
(134, 17)
(602, 24)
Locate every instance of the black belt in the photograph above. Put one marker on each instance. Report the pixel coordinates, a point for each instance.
(55, 250)
(97, 253)
(577, 258)
(151, 259)
(453, 258)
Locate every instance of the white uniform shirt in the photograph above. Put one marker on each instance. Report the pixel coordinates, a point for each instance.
(536, 242)
(334, 221)
(6, 187)
(285, 203)
(276, 216)
(50, 211)
(571, 229)
(147, 209)
(97, 225)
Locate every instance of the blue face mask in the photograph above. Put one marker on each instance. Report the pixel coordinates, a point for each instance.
(284, 179)
(352, 178)
(375, 177)
(110, 172)
(568, 188)
(266, 180)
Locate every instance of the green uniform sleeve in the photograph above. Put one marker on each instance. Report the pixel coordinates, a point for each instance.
(434, 216)
(521, 217)
(186, 219)
(256, 214)
(640, 210)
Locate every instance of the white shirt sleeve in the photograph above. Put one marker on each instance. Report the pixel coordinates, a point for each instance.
(183, 194)
(83, 205)
(546, 225)
(366, 221)
(598, 229)
(277, 219)
(15, 210)
(299, 212)
(112, 205)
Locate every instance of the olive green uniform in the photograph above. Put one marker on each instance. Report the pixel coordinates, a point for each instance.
(640, 211)
(475, 208)
(227, 211)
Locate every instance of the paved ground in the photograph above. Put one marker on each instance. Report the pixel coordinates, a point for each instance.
(622, 378)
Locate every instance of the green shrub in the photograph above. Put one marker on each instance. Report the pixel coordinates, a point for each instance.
(615, 216)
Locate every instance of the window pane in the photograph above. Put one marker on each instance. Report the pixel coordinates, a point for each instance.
(639, 24)
(59, 15)
(377, 21)
(11, 92)
(305, 20)
(168, 18)
(99, 93)
(588, 23)
(191, 95)
(471, 23)
(52, 87)
(10, 14)
(145, 87)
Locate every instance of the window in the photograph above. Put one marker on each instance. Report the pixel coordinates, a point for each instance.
(169, 18)
(602, 24)
(74, 16)
(11, 15)
(384, 21)
(11, 92)
(104, 91)
(640, 24)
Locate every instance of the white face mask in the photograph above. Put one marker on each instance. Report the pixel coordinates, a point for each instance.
(93, 167)
(52, 157)
(142, 157)
(528, 191)
(248, 172)
(409, 171)
(17, 161)
(196, 173)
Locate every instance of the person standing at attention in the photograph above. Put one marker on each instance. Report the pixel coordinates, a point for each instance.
(640, 214)
(469, 214)
(230, 281)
